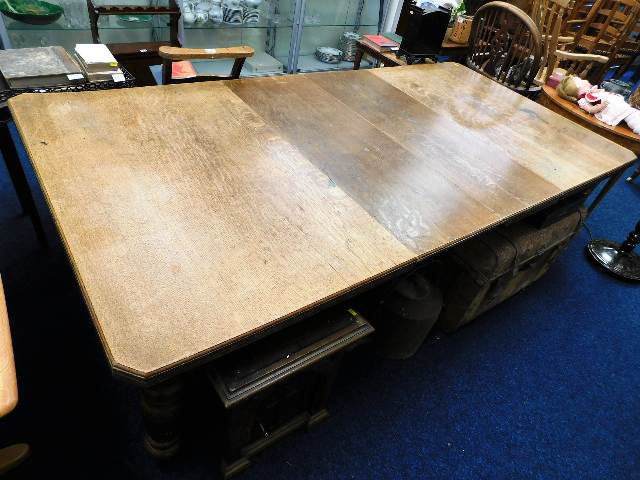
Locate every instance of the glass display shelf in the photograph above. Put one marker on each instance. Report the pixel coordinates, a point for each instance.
(274, 33)
(341, 25)
(106, 23)
(325, 23)
(215, 26)
(341, 13)
(309, 63)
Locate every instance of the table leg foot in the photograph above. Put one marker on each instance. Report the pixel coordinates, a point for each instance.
(11, 457)
(162, 414)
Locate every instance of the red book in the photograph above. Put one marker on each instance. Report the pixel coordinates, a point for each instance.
(381, 41)
(183, 69)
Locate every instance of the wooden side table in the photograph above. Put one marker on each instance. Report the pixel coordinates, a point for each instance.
(385, 57)
(620, 134)
(389, 58)
(619, 259)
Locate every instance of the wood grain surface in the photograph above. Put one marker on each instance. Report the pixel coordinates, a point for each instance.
(198, 215)
(8, 380)
(189, 221)
(177, 53)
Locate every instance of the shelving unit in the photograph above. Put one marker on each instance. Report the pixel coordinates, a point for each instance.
(326, 21)
(287, 30)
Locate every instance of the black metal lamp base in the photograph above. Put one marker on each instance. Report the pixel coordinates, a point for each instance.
(618, 259)
(609, 255)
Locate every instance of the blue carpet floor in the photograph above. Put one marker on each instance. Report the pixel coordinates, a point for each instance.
(547, 385)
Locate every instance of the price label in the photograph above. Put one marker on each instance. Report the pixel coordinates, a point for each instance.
(210, 50)
(118, 77)
(75, 76)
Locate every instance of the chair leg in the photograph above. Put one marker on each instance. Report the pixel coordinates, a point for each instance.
(622, 69)
(166, 71)
(237, 68)
(11, 457)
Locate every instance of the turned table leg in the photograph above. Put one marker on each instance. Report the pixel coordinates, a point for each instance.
(162, 408)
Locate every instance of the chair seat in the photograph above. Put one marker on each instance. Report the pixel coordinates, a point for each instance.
(11, 457)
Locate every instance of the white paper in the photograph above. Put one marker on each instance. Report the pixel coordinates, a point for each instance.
(95, 53)
(118, 77)
(75, 76)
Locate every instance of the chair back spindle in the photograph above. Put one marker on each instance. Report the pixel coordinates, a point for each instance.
(505, 45)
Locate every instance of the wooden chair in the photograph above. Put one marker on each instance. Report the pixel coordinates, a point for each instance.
(11, 456)
(505, 46)
(577, 13)
(549, 17)
(605, 31)
(629, 50)
(136, 57)
(171, 54)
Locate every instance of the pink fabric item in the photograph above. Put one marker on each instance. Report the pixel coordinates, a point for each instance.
(616, 110)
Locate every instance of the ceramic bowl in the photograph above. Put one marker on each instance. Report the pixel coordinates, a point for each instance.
(328, 54)
(189, 17)
(252, 3)
(35, 12)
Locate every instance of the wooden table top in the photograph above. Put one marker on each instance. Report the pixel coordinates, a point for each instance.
(197, 215)
(621, 129)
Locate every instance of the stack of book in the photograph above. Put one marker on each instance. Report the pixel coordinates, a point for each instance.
(98, 62)
(39, 67)
(381, 43)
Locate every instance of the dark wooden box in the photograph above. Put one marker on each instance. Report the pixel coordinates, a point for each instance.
(279, 384)
(496, 265)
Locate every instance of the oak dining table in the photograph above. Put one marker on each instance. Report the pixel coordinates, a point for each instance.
(201, 217)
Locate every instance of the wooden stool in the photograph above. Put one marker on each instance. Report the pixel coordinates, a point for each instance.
(10, 457)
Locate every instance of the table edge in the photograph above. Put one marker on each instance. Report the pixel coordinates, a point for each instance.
(195, 359)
